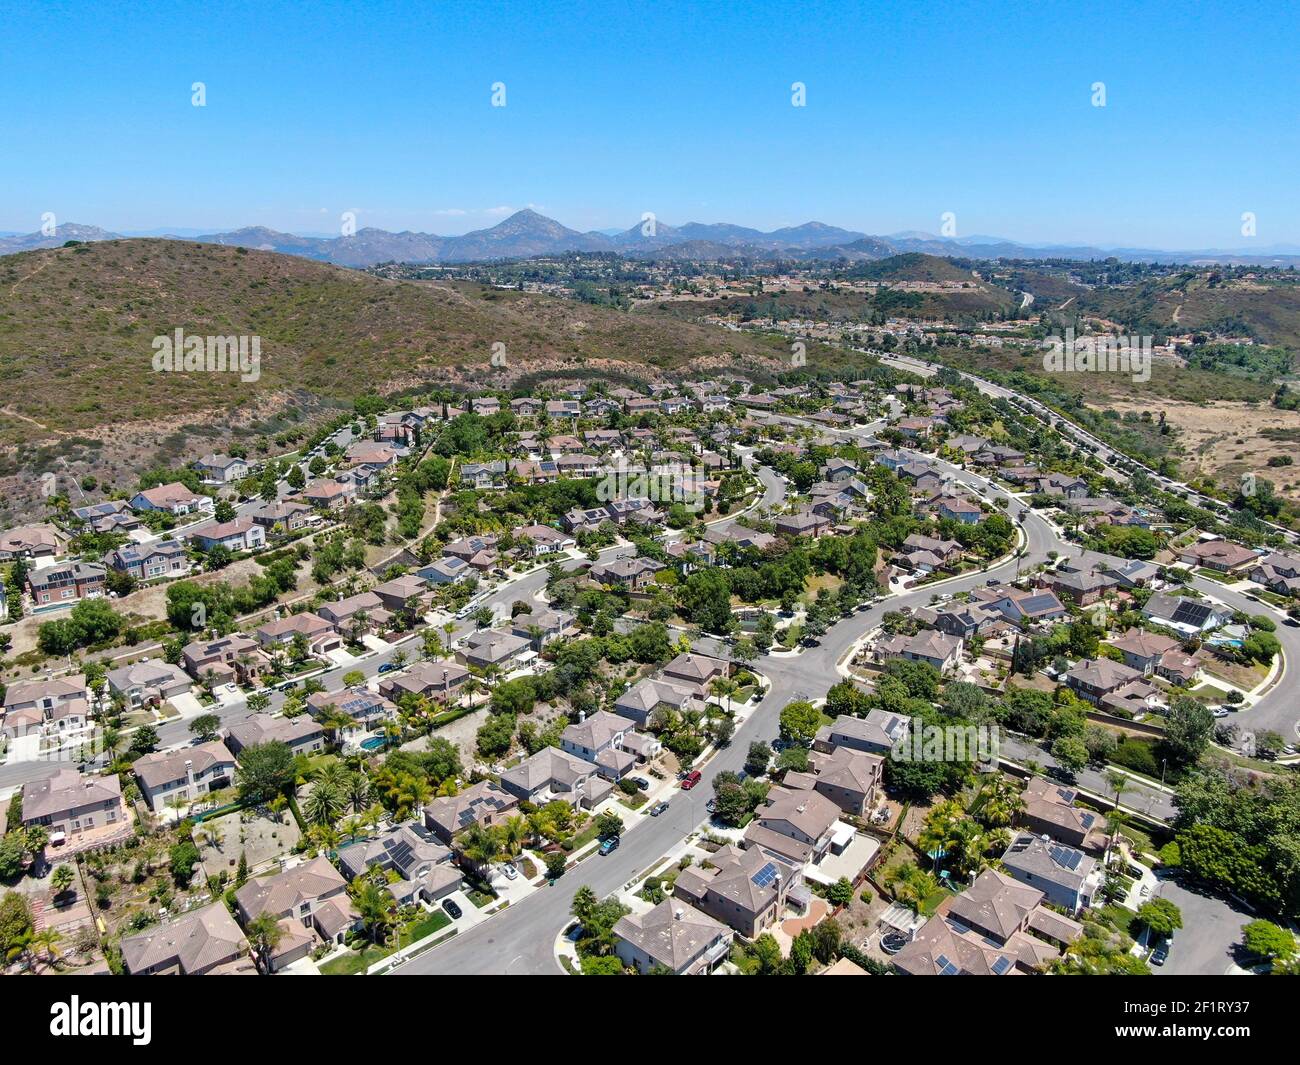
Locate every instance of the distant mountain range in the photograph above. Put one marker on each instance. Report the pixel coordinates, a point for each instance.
(527, 234)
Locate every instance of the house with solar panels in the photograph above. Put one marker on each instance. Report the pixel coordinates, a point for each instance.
(1065, 875)
(366, 709)
(423, 865)
(996, 927)
(744, 889)
(484, 804)
(1050, 810)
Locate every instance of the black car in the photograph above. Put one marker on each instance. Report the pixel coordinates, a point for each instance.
(658, 808)
(453, 911)
(641, 783)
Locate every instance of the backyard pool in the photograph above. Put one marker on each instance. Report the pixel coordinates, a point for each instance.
(375, 743)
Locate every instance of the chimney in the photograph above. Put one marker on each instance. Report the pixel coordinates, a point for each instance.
(678, 914)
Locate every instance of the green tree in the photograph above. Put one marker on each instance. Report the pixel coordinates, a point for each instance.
(800, 721)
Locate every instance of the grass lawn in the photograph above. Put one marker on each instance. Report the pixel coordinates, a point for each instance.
(355, 961)
(583, 838)
(1121, 917)
(426, 926)
(480, 898)
(633, 802)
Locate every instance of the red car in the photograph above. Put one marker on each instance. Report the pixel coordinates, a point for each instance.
(690, 780)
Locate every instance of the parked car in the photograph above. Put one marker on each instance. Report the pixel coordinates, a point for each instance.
(658, 808)
(690, 780)
(510, 871)
(711, 805)
(453, 910)
(1161, 954)
(609, 846)
(387, 667)
(641, 783)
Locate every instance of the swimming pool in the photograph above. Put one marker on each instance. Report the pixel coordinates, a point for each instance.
(375, 743)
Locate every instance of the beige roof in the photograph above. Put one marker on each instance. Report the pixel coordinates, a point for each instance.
(282, 893)
(195, 942)
(67, 790)
(163, 767)
(673, 934)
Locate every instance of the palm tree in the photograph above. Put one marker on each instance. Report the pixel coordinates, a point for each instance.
(1119, 783)
(480, 845)
(357, 789)
(724, 687)
(44, 944)
(264, 935)
(584, 902)
(448, 628)
(1001, 804)
(513, 834)
(375, 906)
(325, 804)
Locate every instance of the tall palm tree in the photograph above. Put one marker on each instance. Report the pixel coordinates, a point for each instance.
(480, 845)
(724, 687)
(514, 832)
(325, 804)
(45, 945)
(1119, 783)
(375, 907)
(264, 935)
(584, 902)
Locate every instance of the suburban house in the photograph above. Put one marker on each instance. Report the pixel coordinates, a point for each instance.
(634, 574)
(1104, 682)
(173, 498)
(242, 534)
(149, 683)
(1083, 586)
(442, 681)
(364, 708)
(357, 614)
(202, 942)
(484, 804)
(57, 706)
(1065, 875)
(313, 894)
(319, 633)
(802, 523)
(850, 779)
(29, 541)
(64, 582)
(540, 627)
(877, 733)
(187, 774)
(1050, 810)
(300, 734)
(152, 561)
(694, 671)
(1219, 555)
(1184, 614)
(329, 494)
(1016, 605)
(497, 649)
(553, 775)
(225, 660)
(744, 889)
(995, 927)
(649, 694)
(401, 591)
(1278, 573)
(798, 824)
(285, 515)
(423, 864)
(946, 551)
(934, 648)
(110, 516)
(221, 469)
(606, 740)
(447, 570)
(544, 540)
(674, 936)
(78, 811)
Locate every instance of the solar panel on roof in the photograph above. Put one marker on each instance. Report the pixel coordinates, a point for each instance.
(946, 967)
(1067, 857)
(764, 876)
(1001, 965)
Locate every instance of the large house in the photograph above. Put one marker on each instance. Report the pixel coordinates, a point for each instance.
(300, 734)
(553, 775)
(29, 541)
(357, 614)
(1050, 810)
(225, 660)
(934, 648)
(1184, 614)
(649, 694)
(201, 942)
(1278, 573)
(242, 534)
(319, 633)
(442, 681)
(877, 733)
(364, 708)
(798, 824)
(995, 927)
(1112, 685)
(673, 936)
(484, 804)
(185, 775)
(312, 894)
(494, 648)
(152, 561)
(78, 811)
(1219, 555)
(423, 865)
(221, 469)
(744, 889)
(1065, 875)
(850, 779)
(65, 582)
(149, 683)
(610, 742)
(173, 498)
(57, 706)
(110, 516)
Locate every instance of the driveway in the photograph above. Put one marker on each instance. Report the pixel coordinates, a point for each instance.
(1207, 943)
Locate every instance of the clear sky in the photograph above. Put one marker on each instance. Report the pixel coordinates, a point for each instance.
(912, 110)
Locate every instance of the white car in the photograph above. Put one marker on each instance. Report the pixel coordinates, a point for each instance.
(510, 871)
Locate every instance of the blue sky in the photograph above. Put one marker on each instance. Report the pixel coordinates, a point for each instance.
(913, 110)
